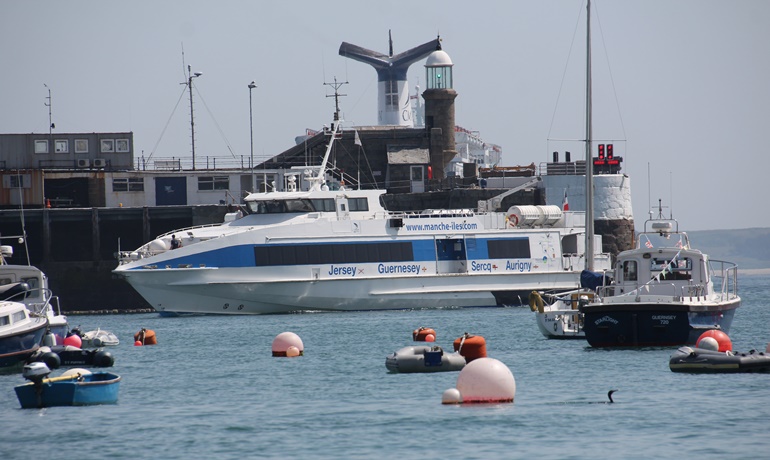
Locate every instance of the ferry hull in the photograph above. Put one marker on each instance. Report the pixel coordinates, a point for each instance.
(176, 292)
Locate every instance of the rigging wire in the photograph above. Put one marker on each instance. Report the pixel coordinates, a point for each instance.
(609, 69)
(152, 152)
(219, 128)
(564, 74)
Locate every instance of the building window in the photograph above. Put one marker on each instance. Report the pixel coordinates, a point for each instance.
(41, 146)
(121, 145)
(213, 183)
(81, 145)
(16, 181)
(128, 184)
(108, 146)
(61, 146)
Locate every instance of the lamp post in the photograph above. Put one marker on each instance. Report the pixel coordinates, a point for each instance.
(192, 120)
(252, 85)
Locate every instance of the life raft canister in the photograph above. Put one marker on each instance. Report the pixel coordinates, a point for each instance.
(471, 346)
(146, 336)
(419, 335)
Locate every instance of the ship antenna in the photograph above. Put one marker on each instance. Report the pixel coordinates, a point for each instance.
(319, 180)
(336, 85)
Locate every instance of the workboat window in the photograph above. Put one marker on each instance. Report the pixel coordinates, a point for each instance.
(515, 248)
(332, 253)
(677, 269)
(34, 287)
(629, 270)
(18, 316)
(4, 320)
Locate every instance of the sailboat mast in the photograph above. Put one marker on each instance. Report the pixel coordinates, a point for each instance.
(589, 252)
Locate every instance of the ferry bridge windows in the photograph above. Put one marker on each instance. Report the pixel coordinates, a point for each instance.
(323, 204)
(516, 248)
(298, 206)
(332, 253)
(213, 183)
(358, 204)
(304, 205)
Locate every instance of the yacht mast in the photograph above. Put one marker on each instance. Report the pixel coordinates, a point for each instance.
(589, 252)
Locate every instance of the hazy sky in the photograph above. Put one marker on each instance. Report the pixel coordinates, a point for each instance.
(681, 87)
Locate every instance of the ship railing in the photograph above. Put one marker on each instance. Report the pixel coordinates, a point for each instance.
(676, 290)
(725, 275)
(38, 308)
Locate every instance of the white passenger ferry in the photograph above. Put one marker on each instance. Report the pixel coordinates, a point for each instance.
(342, 250)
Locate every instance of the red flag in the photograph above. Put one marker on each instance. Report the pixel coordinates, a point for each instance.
(565, 203)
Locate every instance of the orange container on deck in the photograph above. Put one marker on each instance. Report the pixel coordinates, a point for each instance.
(471, 347)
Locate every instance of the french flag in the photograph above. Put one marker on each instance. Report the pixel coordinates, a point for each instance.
(565, 203)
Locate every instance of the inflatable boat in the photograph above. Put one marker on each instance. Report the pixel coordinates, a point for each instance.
(423, 359)
(702, 361)
(65, 355)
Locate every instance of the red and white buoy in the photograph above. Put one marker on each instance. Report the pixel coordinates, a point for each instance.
(723, 341)
(288, 344)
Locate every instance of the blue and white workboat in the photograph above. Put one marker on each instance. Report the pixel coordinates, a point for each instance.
(664, 293)
(324, 249)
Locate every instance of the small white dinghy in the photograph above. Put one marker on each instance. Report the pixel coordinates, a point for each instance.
(97, 338)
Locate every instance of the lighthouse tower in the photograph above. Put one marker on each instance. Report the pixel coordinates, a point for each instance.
(393, 106)
(440, 110)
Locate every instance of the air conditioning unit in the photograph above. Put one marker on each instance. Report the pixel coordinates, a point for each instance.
(84, 163)
(100, 163)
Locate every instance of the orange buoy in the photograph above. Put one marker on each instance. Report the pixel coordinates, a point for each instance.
(146, 337)
(421, 334)
(471, 347)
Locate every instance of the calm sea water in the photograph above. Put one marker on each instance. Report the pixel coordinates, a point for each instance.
(211, 389)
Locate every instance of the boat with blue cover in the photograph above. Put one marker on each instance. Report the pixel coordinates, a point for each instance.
(76, 387)
(415, 359)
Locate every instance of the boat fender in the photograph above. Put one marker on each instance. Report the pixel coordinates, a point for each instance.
(51, 360)
(536, 302)
(103, 359)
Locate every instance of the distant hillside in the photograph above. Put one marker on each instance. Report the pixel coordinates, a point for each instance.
(749, 248)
